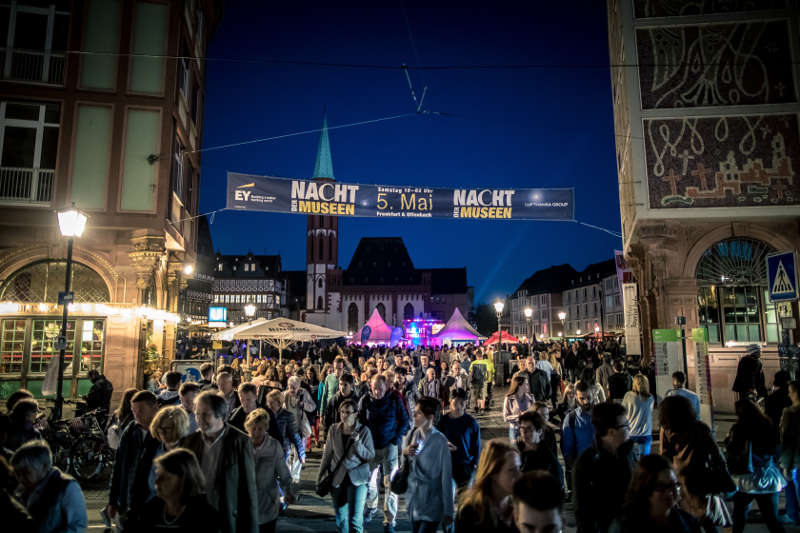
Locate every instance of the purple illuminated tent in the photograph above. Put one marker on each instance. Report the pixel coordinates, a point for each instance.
(379, 332)
(456, 331)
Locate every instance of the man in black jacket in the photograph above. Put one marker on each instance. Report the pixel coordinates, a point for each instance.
(226, 458)
(602, 473)
(134, 456)
(99, 396)
(750, 379)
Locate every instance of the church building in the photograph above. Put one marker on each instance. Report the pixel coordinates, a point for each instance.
(380, 275)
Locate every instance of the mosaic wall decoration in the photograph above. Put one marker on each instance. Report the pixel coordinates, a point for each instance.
(746, 63)
(731, 161)
(675, 8)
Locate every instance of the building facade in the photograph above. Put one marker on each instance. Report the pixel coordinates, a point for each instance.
(593, 301)
(115, 134)
(240, 280)
(705, 99)
(542, 292)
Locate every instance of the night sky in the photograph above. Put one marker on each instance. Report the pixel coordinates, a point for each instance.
(534, 127)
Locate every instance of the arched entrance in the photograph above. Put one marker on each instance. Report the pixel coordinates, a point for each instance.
(381, 310)
(732, 298)
(408, 312)
(352, 317)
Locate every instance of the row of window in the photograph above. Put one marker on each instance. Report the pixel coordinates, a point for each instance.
(268, 299)
(27, 346)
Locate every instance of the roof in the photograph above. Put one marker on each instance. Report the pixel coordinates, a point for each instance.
(447, 280)
(381, 261)
(550, 280)
(323, 167)
(593, 273)
(233, 266)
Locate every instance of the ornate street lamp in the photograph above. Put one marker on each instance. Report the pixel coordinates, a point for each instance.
(71, 222)
(498, 308)
(528, 314)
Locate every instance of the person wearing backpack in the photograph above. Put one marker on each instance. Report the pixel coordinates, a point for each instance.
(479, 377)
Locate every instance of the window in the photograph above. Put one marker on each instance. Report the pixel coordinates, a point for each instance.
(219, 267)
(178, 155)
(92, 338)
(98, 71)
(408, 311)
(319, 302)
(184, 76)
(12, 346)
(352, 317)
(43, 343)
(29, 35)
(149, 46)
(29, 133)
(319, 283)
(42, 281)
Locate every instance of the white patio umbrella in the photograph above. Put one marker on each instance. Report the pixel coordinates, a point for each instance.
(283, 332)
(228, 334)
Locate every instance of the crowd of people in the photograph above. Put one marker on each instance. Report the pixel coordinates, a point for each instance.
(226, 453)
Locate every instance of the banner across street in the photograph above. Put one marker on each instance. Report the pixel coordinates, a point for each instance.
(326, 197)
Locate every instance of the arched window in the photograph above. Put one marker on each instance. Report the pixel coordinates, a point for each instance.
(408, 312)
(42, 281)
(319, 302)
(319, 283)
(732, 298)
(352, 317)
(382, 311)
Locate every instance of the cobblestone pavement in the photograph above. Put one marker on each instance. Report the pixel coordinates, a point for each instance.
(314, 514)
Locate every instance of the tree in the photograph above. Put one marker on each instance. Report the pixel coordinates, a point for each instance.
(485, 319)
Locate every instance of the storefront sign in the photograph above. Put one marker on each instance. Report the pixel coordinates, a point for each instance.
(702, 373)
(633, 326)
(668, 357)
(318, 197)
(218, 317)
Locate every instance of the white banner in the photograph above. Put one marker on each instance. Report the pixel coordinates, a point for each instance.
(633, 325)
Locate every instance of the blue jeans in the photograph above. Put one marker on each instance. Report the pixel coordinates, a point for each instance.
(348, 503)
(792, 497)
(644, 443)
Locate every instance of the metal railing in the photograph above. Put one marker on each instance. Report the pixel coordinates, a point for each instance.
(37, 66)
(31, 185)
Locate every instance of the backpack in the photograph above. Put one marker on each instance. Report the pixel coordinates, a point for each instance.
(478, 374)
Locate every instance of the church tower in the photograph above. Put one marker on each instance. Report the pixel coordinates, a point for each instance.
(322, 234)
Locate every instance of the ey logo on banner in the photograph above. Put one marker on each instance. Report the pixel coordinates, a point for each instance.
(782, 276)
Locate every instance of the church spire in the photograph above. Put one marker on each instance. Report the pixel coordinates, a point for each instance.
(323, 168)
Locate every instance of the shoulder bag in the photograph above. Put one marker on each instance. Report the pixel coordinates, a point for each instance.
(325, 483)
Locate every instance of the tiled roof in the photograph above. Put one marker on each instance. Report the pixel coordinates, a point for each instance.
(550, 280)
(248, 266)
(381, 261)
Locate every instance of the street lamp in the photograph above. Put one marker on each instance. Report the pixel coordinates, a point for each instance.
(560, 334)
(578, 332)
(71, 222)
(528, 313)
(498, 308)
(249, 311)
(596, 330)
(188, 269)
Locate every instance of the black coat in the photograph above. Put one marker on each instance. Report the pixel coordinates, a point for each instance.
(750, 375)
(600, 482)
(133, 458)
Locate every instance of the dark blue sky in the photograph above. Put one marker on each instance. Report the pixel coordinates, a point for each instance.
(538, 127)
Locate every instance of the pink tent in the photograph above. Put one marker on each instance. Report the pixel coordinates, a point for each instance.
(379, 332)
(457, 330)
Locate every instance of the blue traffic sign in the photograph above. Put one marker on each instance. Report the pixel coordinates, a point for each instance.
(782, 276)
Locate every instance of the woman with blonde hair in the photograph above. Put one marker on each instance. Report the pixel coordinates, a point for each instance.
(169, 426)
(486, 506)
(270, 468)
(638, 403)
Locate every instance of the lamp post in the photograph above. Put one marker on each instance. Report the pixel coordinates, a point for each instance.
(71, 222)
(249, 311)
(498, 308)
(528, 314)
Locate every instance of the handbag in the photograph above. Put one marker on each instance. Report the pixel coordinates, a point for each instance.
(766, 477)
(325, 483)
(399, 483)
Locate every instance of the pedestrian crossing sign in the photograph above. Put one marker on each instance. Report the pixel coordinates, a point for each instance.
(782, 276)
